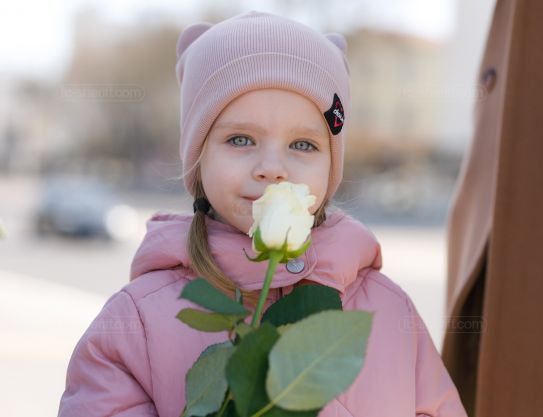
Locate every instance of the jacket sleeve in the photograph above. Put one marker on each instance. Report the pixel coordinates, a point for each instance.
(109, 373)
(436, 394)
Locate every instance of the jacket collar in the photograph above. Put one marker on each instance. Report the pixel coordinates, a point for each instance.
(341, 247)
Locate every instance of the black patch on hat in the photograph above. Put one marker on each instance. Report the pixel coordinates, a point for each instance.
(335, 116)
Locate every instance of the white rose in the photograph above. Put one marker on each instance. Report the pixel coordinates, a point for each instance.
(283, 206)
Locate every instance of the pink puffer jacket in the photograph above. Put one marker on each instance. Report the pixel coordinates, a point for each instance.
(132, 360)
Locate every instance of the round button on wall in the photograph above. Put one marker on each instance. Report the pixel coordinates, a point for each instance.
(296, 265)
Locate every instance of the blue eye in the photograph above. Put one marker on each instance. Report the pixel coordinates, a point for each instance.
(235, 137)
(306, 149)
(311, 147)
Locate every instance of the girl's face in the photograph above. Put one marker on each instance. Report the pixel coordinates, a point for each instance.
(263, 137)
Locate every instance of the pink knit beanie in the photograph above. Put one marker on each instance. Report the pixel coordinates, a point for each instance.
(253, 50)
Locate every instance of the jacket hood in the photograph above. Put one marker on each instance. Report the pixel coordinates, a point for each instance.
(341, 246)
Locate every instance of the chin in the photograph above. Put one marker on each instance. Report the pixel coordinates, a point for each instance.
(244, 228)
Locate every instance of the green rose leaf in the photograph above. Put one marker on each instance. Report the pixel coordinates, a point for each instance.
(214, 347)
(302, 302)
(229, 411)
(243, 328)
(281, 412)
(206, 382)
(239, 296)
(246, 375)
(317, 358)
(207, 322)
(246, 369)
(206, 295)
(282, 329)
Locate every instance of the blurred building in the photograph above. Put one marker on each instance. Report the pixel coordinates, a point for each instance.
(30, 128)
(115, 112)
(390, 74)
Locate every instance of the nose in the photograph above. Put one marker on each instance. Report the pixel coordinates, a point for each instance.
(270, 168)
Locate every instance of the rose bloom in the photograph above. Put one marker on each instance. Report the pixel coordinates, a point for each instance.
(283, 208)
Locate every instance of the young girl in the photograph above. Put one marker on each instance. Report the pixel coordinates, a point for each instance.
(264, 99)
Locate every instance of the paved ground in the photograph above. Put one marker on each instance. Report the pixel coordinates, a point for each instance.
(51, 289)
(38, 337)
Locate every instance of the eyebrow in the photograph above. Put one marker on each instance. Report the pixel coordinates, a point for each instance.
(314, 131)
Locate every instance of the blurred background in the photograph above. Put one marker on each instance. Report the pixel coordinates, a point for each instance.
(89, 133)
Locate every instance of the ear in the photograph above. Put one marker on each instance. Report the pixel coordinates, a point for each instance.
(339, 40)
(189, 35)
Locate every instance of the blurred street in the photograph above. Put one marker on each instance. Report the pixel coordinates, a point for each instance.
(51, 288)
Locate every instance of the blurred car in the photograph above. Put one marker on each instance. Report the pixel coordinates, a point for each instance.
(83, 207)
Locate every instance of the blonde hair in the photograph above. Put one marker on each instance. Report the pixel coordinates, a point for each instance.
(199, 253)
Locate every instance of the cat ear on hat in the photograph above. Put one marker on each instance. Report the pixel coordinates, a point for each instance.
(339, 40)
(189, 35)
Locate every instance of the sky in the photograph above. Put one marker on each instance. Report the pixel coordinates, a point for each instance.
(36, 36)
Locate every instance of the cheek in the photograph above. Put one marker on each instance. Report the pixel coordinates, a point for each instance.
(318, 179)
(318, 171)
(220, 174)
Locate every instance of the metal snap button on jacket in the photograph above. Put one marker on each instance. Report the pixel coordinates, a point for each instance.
(295, 265)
